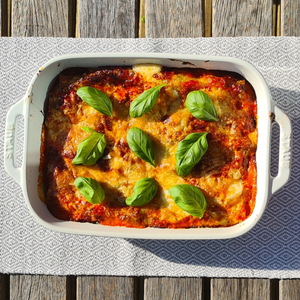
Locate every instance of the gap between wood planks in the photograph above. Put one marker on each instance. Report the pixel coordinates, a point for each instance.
(276, 17)
(4, 17)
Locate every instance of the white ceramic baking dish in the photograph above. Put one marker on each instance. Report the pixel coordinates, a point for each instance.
(32, 105)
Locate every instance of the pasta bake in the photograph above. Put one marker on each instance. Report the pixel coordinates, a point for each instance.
(149, 146)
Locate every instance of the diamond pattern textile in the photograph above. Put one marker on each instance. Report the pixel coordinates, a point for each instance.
(270, 250)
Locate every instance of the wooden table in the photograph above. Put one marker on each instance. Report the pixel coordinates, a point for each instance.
(163, 18)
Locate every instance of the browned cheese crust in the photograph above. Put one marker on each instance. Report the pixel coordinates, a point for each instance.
(226, 174)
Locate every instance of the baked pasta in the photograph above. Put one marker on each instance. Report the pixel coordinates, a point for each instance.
(149, 146)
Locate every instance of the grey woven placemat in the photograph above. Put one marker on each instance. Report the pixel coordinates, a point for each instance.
(270, 250)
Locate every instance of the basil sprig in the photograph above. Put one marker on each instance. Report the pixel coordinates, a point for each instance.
(90, 189)
(140, 143)
(189, 198)
(200, 106)
(96, 99)
(190, 151)
(90, 149)
(143, 192)
(144, 102)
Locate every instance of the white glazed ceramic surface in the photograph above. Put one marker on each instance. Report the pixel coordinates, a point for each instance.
(32, 105)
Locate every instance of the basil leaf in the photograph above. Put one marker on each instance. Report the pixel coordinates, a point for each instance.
(88, 129)
(200, 106)
(96, 99)
(140, 143)
(144, 102)
(90, 149)
(143, 192)
(190, 151)
(90, 189)
(189, 198)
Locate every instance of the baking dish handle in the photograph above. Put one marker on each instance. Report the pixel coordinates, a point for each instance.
(10, 141)
(285, 151)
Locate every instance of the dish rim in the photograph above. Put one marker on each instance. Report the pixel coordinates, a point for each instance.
(264, 190)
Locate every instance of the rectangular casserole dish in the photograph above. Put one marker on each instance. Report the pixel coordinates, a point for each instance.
(32, 105)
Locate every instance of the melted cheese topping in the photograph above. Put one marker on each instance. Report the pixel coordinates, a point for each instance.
(147, 70)
(226, 174)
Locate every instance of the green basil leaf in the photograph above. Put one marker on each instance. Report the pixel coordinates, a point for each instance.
(140, 143)
(90, 189)
(88, 129)
(90, 149)
(190, 151)
(144, 102)
(96, 99)
(189, 198)
(200, 106)
(143, 192)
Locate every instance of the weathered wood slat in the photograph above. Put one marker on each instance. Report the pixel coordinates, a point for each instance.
(242, 18)
(33, 287)
(104, 287)
(289, 289)
(290, 17)
(240, 289)
(41, 18)
(107, 19)
(174, 18)
(173, 288)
